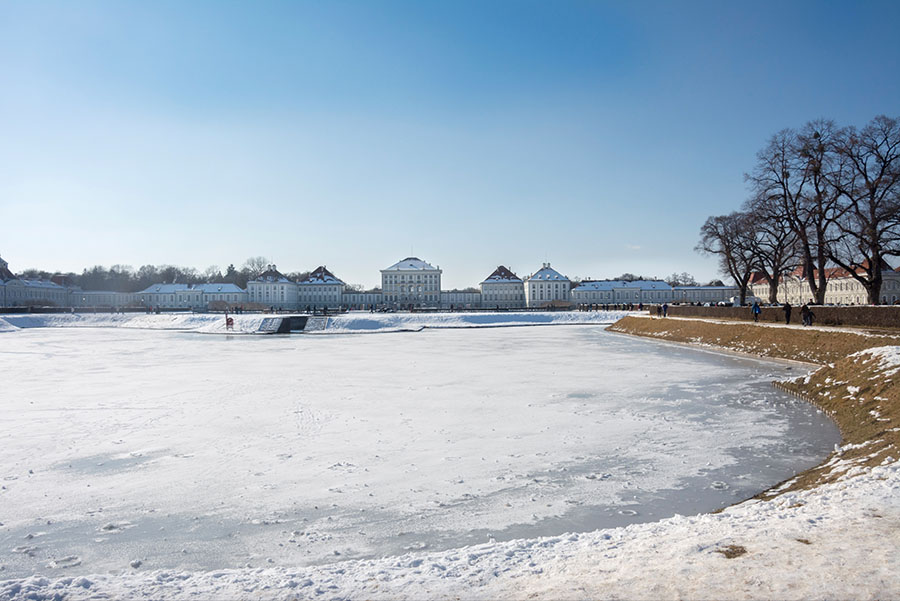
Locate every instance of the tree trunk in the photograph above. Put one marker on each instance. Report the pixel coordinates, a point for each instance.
(822, 260)
(811, 276)
(742, 287)
(874, 287)
(820, 291)
(773, 291)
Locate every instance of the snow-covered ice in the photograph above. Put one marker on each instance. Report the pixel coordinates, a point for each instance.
(835, 542)
(352, 322)
(355, 322)
(127, 449)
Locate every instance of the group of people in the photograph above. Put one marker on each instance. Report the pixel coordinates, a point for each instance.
(610, 307)
(806, 314)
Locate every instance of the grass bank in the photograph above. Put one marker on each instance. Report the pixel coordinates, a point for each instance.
(855, 384)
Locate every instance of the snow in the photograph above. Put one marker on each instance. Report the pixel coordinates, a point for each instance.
(547, 273)
(838, 542)
(607, 285)
(213, 288)
(398, 322)
(502, 274)
(411, 264)
(888, 357)
(344, 323)
(40, 283)
(220, 288)
(320, 276)
(196, 322)
(153, 464)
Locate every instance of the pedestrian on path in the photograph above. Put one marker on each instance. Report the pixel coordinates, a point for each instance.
(787, 313)
(665, 309)
(756, 311)
(806, 315)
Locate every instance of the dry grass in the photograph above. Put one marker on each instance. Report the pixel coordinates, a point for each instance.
(800, 344)
(856, 391)
(732, 551)
(868, 417)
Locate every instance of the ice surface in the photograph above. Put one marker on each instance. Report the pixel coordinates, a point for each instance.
(352, 322)
(382, 322)
(180, 451)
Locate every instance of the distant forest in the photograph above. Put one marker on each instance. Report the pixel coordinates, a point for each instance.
(124, 278)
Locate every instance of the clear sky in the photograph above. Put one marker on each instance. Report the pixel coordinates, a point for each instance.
(595, 135)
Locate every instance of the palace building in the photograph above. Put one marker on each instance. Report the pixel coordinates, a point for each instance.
(411, 283)
(547, 286)
(503, 289)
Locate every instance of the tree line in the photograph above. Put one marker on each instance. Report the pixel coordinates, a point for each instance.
(821, 197)
(123, 278)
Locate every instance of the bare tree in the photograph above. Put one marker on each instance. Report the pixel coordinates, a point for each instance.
(146, 276)
(169, 274)
(297, 276)
(681, 279)
(793, 170)
(775, 244)
(629, 277)
(732, 238)
(33, 273)
(212, 274)
(869, 186)
(255, 266)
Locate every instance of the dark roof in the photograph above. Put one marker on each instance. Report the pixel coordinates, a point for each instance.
(321, 275)
(270, 275)
(502, 274)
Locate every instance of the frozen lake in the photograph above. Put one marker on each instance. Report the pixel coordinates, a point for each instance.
(202, 452)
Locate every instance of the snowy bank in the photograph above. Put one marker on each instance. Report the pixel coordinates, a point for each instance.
(338, 324)
(196, 322)
(386, 322)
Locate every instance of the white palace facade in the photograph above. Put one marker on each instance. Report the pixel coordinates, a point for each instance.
(842, 287)
(503, 290)
(547, 287)
(410, 283)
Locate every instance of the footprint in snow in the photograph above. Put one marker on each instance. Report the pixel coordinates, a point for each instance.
(66, 562)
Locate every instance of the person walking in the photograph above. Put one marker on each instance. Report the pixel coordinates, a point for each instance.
(806, 315)
(665, 309)
(756, 311)
(787, 313)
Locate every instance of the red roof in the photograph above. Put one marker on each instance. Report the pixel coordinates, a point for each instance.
(502, 274)
(832, 273)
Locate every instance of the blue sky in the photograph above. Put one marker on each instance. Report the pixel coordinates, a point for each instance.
(595, 135)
